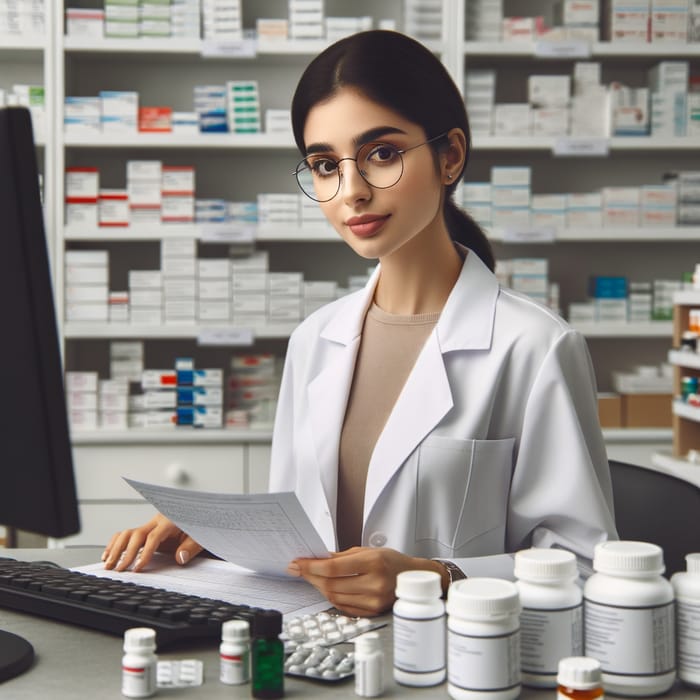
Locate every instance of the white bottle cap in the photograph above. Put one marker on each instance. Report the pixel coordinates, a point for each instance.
(545, 565)
(692, 562)
(418, 585)
(482, 598)
(235, 631)
(367, 643)
(628, 558)
(579, 672)
(140, 639)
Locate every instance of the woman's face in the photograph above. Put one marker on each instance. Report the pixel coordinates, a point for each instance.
(375, 222)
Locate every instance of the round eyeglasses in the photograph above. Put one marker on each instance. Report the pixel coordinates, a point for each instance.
(379, 164)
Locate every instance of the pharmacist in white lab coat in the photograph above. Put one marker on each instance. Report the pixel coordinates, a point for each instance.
(432, 420)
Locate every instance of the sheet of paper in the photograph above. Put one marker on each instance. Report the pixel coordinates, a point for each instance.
(262, 532)
(221, 580)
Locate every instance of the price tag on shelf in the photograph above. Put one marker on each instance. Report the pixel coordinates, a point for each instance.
(241, 48)
(562, 49)
(227, 233)
(584, 147)
(226, 336)
(546, 234)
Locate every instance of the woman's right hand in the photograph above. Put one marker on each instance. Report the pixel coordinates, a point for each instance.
(136, 547)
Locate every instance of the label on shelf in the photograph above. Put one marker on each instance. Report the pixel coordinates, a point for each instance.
(546, 234)
(226, 336)
(240, 48)
(227, 233)
(581, 146)
(562, 49)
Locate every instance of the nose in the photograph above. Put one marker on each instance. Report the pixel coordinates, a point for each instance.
(353, 185)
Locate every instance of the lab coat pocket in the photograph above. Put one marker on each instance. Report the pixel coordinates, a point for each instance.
(462, 489)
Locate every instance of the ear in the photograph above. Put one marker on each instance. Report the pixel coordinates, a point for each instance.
(454, 156)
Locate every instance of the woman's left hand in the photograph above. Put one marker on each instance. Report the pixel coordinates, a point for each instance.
(360, 581)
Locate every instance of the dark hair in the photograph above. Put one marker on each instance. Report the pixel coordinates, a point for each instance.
(403, 75)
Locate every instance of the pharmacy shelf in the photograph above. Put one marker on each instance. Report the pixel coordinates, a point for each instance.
(687, 297)
(684, 359)
(314, 232)
(213, 233)
(650, 329)
(683, 410)
(681, 468)
(631, 235)
(576, 50)
(244, 49)
(170, 140)
(637, 435)
(579, 145)
(168, 436)
(23, 44)
(87, 331)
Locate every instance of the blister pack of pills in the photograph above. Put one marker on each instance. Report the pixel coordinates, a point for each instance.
(320, 663)
(324, 629)
(181, 673)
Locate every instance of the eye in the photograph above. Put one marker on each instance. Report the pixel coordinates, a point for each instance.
(322, 167)
(382, 154)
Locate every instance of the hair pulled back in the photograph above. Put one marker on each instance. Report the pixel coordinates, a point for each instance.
(401, 74)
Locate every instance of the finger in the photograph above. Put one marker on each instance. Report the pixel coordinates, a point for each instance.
(332, 567)
(130, 551)
(117, 547)
(155, 538)
(359, 605)
(187, 551)
(109, 546)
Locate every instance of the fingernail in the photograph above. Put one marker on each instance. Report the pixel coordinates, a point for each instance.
(183, 556)
(137, 563)
(104, 555)
(293, 569)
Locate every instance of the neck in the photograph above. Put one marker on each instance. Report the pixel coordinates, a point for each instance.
(418, 278)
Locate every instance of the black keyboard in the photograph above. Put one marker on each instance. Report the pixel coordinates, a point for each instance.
(113, 606)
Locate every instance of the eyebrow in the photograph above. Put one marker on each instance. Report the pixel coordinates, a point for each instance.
(363, 138)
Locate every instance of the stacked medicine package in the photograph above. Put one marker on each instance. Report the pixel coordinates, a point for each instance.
(23, 18)
(251, 390)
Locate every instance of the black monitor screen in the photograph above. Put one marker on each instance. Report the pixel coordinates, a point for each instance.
(37, 487)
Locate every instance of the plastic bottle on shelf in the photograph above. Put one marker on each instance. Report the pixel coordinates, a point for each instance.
(629, 618)
(686, 585)
(579, 678)
(419, 629)
(551, 620)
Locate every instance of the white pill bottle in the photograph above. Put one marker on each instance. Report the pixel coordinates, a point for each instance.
(139, 663)
(483, 640)
(419, 629)
(629, 619)
(551, 619)
(686, 585)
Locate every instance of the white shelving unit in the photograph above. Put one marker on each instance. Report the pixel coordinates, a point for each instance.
(233, 167)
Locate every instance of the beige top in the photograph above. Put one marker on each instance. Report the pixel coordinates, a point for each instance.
(388, 350)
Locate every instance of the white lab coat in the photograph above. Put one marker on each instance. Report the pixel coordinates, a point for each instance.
(492, 446)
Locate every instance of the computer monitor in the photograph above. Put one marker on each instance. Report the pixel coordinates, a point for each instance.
(37, 486)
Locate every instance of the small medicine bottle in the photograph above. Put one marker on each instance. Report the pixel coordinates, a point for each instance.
(369, 665)
(139, 663)
(419, 629)
(551, 619)
(629, 619)
(234, 652)
(686, 585)
(267, 655)
(579, 678)
(483, 640)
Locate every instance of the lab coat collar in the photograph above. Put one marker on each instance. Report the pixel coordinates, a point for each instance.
(466, 321)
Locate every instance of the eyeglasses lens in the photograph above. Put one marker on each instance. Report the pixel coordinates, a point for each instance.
(380, 165)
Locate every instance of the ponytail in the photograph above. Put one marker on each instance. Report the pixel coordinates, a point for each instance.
(463, 229)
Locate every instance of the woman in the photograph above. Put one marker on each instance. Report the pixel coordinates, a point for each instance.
(432, 420)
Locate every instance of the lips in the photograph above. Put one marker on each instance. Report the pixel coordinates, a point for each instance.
(366, 225)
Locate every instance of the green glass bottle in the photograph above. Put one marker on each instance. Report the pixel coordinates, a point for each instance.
(267, 655)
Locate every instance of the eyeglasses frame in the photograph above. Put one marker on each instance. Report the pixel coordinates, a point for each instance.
(399, 151)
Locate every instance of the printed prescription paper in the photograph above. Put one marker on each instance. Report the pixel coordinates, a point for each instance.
(261, 532)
